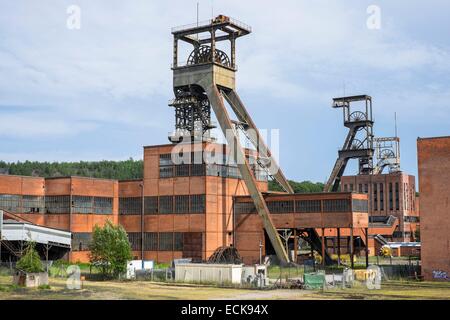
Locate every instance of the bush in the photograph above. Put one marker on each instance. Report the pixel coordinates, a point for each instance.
(30, 262)
(110, 249)
(44, 287)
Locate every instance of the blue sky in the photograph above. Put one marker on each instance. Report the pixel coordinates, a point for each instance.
(101, 92)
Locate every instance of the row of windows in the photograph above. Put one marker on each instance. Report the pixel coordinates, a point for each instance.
(96, 205)
(360, 205)
(22, 204)
(379, 197)
(303, 206)
(215, 170)
(55, 204)
(163, 204)
(411, 219)
(154, 241)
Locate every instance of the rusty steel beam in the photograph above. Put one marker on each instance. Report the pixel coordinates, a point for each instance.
(244, 167)
(258, 142)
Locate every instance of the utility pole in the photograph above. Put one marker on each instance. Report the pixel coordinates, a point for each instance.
(142, 223)
(260, 252)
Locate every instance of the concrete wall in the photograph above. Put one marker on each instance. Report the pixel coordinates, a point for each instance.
(434, 178)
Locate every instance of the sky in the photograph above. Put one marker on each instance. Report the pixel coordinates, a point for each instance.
(100, 92)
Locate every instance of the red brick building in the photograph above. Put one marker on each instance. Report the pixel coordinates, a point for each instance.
(392, 194)
(189, 208)
(434, 176)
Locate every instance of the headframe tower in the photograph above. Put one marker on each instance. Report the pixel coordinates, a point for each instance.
(201, 85)
(359, 141)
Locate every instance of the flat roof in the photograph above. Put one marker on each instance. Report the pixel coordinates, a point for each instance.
(270, 194)
(431, 138)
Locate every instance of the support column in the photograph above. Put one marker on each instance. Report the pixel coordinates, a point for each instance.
(323, 247)
(351, 248)
(339, 245)
(142, 223)
(295, 245)
(175, 52)
(367, 247)
(213, 45)
(233, 51)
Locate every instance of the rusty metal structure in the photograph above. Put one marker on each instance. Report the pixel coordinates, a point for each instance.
(387, 152)
(204, 82)
(225, 255)
(359, 143)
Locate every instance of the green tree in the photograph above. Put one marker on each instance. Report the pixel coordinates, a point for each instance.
(30, 261)
(110, 249)
(298, 187)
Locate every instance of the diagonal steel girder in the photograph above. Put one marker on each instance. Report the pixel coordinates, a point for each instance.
(226, 125)
(255, 137)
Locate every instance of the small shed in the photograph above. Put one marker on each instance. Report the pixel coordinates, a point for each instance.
(208, 273)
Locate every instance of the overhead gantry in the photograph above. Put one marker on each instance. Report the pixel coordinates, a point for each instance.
(202, 83)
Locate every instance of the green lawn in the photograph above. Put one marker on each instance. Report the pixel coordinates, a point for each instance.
(149, 290)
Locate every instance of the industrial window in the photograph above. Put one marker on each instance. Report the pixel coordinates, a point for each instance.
(212, 170)
(178, 241)
(397, 197)
(366, 188)
(280, 206)
(166, 171)
(151, 205)
(336, 205)
(244, 207)
(345, 187)
(166, 204)
(223, 171)
(411, 219)
(165, 241)
(81, 241)
(135, 240)
(381, 197)
(375, 197)
(95, 205)
(197, 157)
(359, 205)
(360, 188)
(10, 203)
(182, 170)
(198, 203)
(57, 204)
(33, 204)
(307, 206)
(165, 159)
(391, 198)
(181, 204)
(198, 170)
(103, 205)
(82, 204)
(130, 205)
(150, 241)
(233, 172)
(351, 187)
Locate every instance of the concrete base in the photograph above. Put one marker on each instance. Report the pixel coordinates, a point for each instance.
(30, 280)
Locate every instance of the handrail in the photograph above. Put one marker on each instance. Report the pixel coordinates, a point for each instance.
(205, 23)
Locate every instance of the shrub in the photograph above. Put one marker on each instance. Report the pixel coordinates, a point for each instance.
(30, 262)
(110, 249)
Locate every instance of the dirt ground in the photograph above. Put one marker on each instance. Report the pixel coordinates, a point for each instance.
(93, 290)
